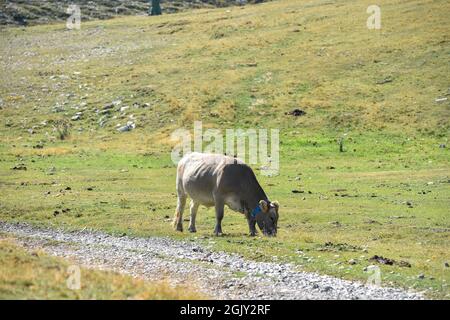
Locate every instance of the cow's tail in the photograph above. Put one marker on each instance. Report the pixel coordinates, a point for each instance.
(181, 200)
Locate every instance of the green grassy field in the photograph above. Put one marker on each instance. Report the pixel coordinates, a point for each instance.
(386, 195)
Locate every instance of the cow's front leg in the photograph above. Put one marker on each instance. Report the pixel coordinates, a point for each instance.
(219, 205)
(194, 208)
(251, 224)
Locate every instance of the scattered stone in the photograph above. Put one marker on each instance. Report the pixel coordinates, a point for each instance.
(405, 264)
(382, 260)
(446, 265)
(385, 80)
(439, 100)
(371, 221)
(421, 276)
(235, 276)
(76, 117)
(330, 246)
(390, 262)
(102, 121)
(19, 166)
(352, 261)
(250, 64)
(335, 223)
(295, 113)
(128, 127)
(39, 145)
(105, 111)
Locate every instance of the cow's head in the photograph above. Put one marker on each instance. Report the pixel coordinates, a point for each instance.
(268, 218)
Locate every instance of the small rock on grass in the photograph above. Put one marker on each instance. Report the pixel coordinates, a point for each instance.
(385, 80)
(19, 166)
(406, 264)
(128, 127)
(296, 113)
(77, 116)
(382, 260)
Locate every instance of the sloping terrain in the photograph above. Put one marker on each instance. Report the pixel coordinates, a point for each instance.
(311, 69)
(232, 67)
(29, 12)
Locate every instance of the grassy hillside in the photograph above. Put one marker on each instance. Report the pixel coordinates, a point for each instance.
(387, 194)
(31, 12)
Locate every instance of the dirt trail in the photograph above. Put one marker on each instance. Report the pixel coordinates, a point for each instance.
(219, 275)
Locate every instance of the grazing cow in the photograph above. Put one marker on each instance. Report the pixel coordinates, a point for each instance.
(216, 180)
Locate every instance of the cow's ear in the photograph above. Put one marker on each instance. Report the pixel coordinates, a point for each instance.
(275, 204)
(264, 205)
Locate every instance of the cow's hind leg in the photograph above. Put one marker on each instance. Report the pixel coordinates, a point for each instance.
(178, 219)
(219, 206)
(193, 209)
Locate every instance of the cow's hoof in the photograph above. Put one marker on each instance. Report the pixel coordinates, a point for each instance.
(192, 229)
(179, 228)
(218, 234)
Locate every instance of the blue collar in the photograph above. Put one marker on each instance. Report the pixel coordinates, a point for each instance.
(256, 211)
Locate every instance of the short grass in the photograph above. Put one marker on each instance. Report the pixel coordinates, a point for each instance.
(26, 274)
(387, 194)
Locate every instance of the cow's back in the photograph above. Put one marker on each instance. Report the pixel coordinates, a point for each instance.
(198, 175)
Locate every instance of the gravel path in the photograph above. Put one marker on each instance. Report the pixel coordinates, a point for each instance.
(218, 274)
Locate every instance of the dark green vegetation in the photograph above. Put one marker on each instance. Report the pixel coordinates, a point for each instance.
(387, 194)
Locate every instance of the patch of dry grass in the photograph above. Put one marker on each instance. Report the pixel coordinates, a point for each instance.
(32, 274)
